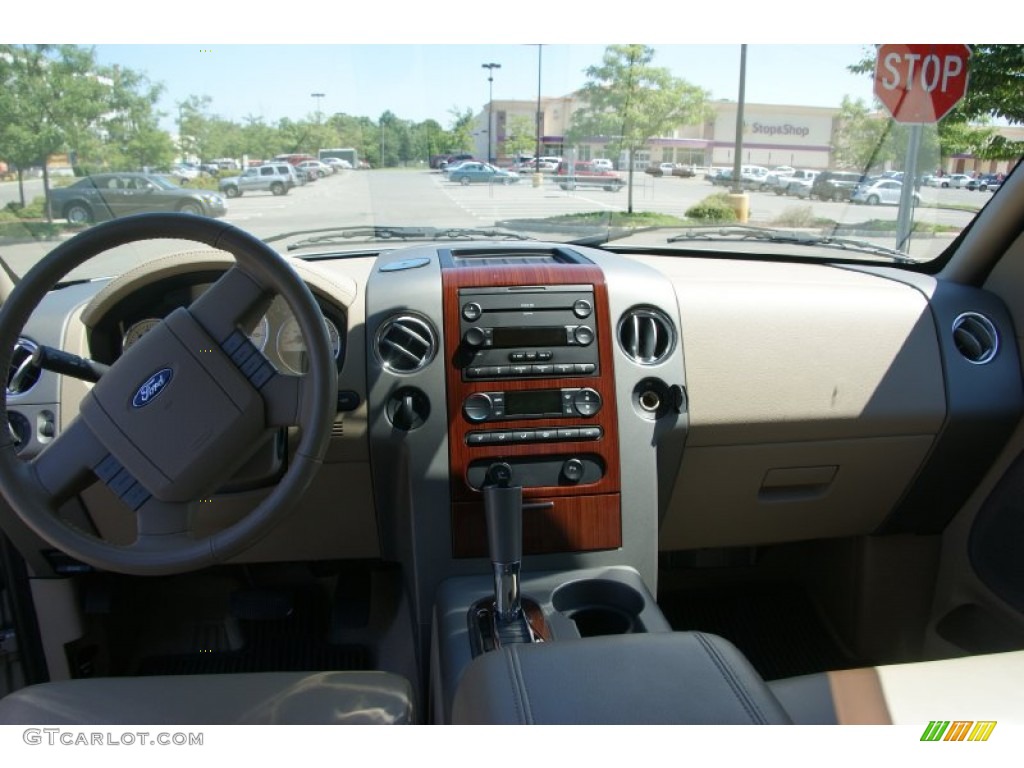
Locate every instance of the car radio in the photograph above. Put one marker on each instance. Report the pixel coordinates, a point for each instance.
(517, 332)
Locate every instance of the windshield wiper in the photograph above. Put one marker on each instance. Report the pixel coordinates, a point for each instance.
(375, 232)
(741, 232)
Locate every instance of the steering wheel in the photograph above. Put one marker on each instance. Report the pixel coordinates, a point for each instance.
(179, 411)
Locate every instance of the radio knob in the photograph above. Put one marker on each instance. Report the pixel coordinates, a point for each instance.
(584, 335)
(474, 337)
(477, 407)
(587, 401)
(581, 308)
(573, 470)
(472, 311)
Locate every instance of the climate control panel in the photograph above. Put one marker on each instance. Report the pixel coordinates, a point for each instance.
(572, 402)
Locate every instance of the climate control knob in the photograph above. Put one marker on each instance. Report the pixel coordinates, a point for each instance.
(586, 401)
(477, 407)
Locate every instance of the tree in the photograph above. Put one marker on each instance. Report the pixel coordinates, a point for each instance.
(53, 95)
(995, 89)
(520, 135)
(627, 102)
(460, 131)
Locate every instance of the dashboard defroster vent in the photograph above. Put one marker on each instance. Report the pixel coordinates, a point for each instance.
(976, 337)
(405, 343)
(23, 373)
(646, 335)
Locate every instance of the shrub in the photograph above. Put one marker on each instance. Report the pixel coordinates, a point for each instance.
(802, 217)
(712, 208)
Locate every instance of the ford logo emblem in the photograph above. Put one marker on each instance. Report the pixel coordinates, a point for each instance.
(152, 387)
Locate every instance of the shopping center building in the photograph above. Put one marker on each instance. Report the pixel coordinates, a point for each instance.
(773, 135)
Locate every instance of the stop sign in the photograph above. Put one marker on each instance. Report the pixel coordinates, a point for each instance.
(921, 83)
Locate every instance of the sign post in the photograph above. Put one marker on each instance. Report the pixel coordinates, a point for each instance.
(919, 85)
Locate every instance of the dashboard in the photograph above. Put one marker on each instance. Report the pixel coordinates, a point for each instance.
(644, 402)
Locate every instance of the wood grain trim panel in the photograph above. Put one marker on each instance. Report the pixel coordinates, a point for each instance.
(583, 518)
(571, 524)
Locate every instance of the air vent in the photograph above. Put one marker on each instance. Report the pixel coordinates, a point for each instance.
(405, 343)
(23, 373)
(976, 337)
(646, 335)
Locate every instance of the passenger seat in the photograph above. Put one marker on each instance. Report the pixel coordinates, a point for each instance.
(986, 687)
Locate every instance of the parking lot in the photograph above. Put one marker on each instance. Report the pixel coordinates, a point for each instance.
(424, 197)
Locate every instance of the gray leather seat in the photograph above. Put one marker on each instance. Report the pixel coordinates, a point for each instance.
(289, 698)
(985, 687)
(658, 678)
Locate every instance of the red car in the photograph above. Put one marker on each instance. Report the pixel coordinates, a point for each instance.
(584, 174)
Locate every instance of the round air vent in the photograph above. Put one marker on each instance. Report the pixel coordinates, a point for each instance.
(646, 335)
(405, 343)
(23, 373)
(976, 337)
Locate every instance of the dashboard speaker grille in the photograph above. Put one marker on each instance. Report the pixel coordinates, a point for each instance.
(23, 373)
(646, 335)
(405, 343)
(975, 337)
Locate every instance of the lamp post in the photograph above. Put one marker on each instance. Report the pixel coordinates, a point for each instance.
(490, 67)
(317, 96)
(537, 178)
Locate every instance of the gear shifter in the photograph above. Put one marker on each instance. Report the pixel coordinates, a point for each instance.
(503, 509)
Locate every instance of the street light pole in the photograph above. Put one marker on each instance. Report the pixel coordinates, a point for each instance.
(537, 179)
(490, 67)
(317, 96)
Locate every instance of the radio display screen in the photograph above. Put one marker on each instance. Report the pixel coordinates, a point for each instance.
(544, 336)
(533, 402)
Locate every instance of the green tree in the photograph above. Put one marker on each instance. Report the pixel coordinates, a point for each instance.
(53, 96)
(460, 130)
(131, 134)
(520, 135)
(995, 89)
(628, 102)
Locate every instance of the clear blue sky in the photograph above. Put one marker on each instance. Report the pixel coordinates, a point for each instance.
(391, 57)
(417, 82)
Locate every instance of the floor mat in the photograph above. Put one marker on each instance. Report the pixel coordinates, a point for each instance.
(776, 627)
(296, 643)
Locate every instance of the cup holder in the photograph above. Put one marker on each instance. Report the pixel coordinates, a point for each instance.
(600, 607)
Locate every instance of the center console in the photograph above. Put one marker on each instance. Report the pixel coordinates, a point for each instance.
(526, 420)
(530, 383)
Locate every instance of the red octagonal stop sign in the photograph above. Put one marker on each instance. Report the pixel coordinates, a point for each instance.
(921, 83)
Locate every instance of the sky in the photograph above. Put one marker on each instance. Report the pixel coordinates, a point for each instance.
(418, 82)
(265, 60)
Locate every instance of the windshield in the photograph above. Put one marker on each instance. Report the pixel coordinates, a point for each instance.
(620, 145)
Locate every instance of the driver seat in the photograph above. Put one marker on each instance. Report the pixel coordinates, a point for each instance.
(282, 698)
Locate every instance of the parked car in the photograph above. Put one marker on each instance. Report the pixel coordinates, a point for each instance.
(338, 163)
(112, 195)
(990, 182)
(800, 179)
(776, 182)
(276, 178)
(835, 185)
(454, 159)
(721, 177)
(954, 181)
(660, 169)
(683, 171)
(585, 174)
(315, 168)
(881, 192)
(482, 173)
(603, 164)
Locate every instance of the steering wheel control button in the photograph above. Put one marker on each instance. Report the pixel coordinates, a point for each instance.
(587, 402)
(582, 308)
(472, 311)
